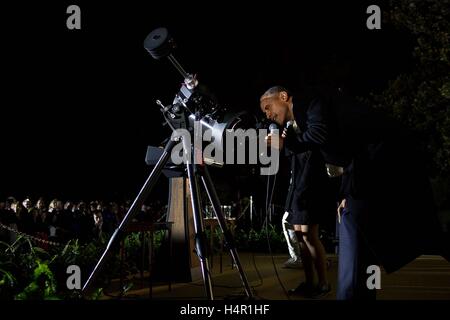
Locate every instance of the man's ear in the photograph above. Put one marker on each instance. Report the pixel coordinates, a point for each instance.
(284, 96)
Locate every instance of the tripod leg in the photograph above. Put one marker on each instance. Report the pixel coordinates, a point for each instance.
(200, 238)
(229, 241)
(134, 209)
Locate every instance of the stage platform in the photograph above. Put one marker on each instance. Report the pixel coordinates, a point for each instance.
(426, 278)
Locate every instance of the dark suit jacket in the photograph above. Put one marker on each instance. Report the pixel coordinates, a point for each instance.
(310, 191)
(382, 167)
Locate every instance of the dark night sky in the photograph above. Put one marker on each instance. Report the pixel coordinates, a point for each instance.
(78, 106)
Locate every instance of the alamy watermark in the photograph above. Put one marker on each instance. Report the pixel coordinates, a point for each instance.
(374, 20)
(74, 279)
(241, 147)
(74, 20)
(374, 280)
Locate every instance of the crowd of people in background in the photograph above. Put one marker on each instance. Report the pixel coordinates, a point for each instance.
(61, 221)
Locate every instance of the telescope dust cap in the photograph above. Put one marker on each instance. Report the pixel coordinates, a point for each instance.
(159, 43)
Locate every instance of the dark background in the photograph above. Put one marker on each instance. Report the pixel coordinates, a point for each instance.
(78, 105)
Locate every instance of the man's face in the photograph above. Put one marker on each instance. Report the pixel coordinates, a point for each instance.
(40, 204)
(275, 107)
(27, 203)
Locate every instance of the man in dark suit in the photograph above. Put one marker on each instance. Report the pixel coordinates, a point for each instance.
(390, 218)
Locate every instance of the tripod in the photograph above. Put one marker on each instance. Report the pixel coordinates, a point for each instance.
(194, 171)
(179, 115)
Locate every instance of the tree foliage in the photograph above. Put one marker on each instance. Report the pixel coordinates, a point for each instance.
(421, 98)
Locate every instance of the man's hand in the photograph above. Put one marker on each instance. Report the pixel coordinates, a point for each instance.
(273, 143)
(340, 208)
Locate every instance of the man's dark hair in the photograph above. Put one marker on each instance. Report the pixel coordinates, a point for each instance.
(275, 90)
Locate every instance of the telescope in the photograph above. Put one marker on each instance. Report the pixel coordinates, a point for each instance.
(192, 113)
(194, 103)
